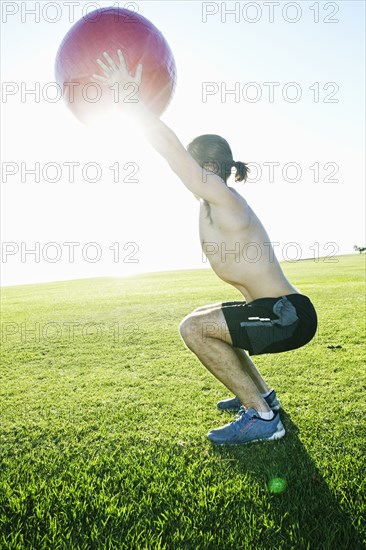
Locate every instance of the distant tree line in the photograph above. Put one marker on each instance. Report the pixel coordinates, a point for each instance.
(359, 249)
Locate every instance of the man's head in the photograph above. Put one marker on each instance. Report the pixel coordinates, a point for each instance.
(213, 153)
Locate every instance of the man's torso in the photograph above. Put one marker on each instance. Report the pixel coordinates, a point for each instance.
(239, 250)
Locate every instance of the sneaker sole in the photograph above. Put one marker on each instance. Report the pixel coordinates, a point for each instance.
(277, 435)
(276, 408)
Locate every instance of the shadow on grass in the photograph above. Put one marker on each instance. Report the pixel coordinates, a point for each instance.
(307, 510)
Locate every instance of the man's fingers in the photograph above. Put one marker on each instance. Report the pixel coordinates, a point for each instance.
(103, 66)
(138, 74)
(110, 61)
(122, 61)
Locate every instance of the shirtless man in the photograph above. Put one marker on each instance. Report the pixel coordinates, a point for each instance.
(273, 317)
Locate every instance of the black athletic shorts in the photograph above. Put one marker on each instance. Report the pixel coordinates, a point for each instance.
(271, 325)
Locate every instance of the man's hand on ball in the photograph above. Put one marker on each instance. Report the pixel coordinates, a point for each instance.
(125, 88)
(118, 79)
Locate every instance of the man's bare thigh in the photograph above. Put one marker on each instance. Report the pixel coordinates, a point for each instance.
(217, 305)
(210, 323)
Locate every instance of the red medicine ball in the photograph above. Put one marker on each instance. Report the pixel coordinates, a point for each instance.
(107, 30)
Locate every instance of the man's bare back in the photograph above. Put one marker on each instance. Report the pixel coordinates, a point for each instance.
(239, 249)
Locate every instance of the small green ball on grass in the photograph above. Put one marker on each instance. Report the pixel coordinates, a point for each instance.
(277, 485)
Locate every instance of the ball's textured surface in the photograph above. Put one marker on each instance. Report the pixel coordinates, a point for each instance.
(107, 30)
(277, 485)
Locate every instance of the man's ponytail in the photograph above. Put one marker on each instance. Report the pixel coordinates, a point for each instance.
(242, 171)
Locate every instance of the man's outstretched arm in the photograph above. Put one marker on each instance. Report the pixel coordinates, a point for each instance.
(199, 181)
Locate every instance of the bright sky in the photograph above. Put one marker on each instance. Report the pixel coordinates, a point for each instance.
(307, 155)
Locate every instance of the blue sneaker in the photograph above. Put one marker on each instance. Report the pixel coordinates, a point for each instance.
(246, 428)
(233, 404)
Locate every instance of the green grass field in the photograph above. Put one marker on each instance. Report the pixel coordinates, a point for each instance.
(104, 416)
